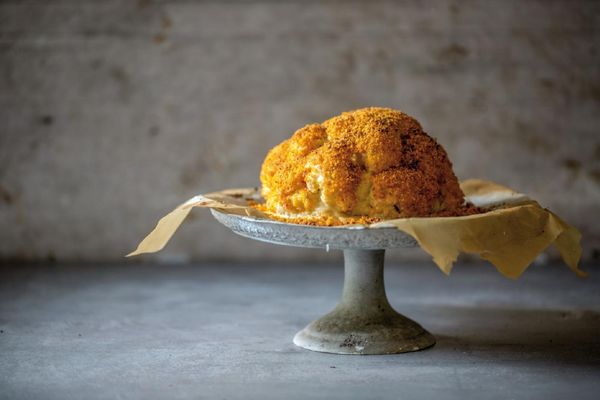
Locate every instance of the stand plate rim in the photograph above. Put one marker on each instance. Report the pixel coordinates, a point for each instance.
(309, 236)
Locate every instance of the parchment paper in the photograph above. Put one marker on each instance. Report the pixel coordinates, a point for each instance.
(511, 234)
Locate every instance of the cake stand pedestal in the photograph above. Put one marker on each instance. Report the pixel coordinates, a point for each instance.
(364, 321)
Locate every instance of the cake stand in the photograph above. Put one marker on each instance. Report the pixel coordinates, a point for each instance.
(363, 322)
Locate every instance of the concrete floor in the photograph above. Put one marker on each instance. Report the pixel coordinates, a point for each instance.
(220, 331)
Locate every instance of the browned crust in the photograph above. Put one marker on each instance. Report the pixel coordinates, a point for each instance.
(376, 164)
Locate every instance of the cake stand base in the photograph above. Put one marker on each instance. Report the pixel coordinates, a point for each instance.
(364, 322)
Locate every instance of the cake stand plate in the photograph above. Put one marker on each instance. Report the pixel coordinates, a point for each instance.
(363, 322)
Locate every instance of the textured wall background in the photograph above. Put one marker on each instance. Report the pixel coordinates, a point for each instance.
(113, 112)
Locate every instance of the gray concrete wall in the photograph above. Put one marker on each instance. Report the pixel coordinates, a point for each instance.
(113, 112)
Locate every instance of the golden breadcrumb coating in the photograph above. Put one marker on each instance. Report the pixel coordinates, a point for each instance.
(362, 166)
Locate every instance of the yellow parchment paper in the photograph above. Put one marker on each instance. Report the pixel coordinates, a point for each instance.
(511, 234)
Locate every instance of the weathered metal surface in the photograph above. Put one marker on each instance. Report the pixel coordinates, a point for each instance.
(363, 322)
(315, 236)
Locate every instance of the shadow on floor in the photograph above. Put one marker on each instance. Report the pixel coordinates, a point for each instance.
(531, 335)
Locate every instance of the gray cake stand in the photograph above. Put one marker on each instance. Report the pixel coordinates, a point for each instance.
(363, 322)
